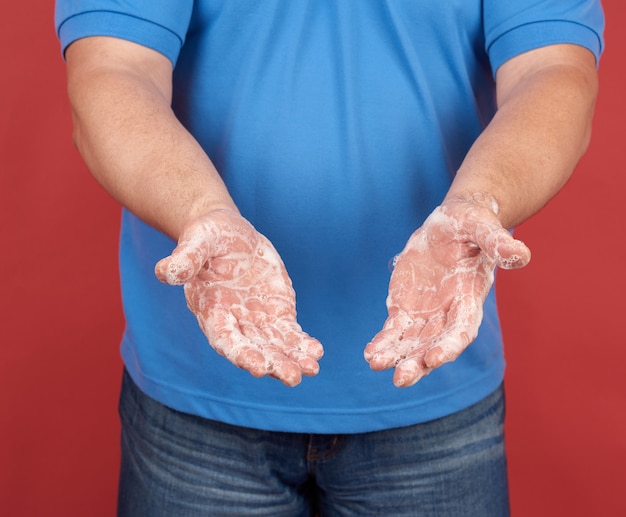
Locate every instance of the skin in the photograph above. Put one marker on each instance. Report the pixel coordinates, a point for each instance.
(238, 288)
(438, 286)
(236, 284)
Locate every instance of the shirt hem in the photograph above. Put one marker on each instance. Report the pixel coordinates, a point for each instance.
(318, 420)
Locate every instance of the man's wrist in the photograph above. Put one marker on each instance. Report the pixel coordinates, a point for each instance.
(481, 199)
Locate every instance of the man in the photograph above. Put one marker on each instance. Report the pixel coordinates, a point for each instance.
(316, 145)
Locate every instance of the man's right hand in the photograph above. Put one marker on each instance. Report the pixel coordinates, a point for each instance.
(238, 288)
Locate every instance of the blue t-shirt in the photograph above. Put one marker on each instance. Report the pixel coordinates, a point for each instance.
(337, 126)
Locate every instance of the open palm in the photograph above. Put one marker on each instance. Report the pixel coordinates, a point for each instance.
(239, 290)
(438, 287)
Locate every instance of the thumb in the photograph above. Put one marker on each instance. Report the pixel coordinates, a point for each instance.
(499, 244)
(187, 259)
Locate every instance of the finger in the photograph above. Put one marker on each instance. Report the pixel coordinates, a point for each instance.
(240, 351)
(397, 339)
(185, 262)
(308, 364)
(412, 367)
(297, 339)
(512, 254)
(302, 349)
(311, 347)
(235, 347)
(226, 338)
(381, 352)
(281, 367)
(462, 326)
(409, 371)
(256, 354)
(190, 255)
(500, 246)
(392, 332)
(248, 358)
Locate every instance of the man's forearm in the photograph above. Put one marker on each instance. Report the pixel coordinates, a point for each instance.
(542, 128)
(131, 140)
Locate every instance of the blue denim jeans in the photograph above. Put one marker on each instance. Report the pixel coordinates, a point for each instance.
(180, 465)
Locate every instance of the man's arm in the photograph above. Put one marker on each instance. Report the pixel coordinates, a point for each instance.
(129, 137)
(235, 282)
(526, 154)
(546, 99)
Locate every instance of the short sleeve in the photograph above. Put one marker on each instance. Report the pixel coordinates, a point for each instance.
(517, 26)
(158, 24)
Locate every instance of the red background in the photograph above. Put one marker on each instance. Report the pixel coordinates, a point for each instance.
(61, 319)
